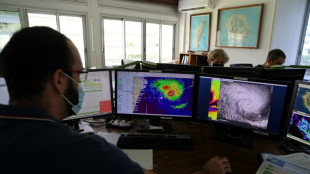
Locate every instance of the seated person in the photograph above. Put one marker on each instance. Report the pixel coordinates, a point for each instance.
(42, 69)
(275, 57)
(217, 57)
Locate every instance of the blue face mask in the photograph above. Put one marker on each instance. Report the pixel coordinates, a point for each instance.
(76, 108)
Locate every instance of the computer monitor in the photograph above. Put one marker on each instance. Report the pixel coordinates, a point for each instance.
(4, 94)
(287, 74)
(299, 123)
(241, 65)
(251, 105)
(98, 95)
(178, 67)
(246, 72)
(154, 95)
(202, 60)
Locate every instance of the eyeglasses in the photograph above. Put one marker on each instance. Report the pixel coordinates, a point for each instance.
(82, 73)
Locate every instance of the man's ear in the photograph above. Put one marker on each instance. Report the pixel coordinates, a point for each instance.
(59, 81)
(269, 60)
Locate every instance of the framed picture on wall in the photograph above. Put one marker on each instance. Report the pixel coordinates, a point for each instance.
(200, 32)
(239, 27)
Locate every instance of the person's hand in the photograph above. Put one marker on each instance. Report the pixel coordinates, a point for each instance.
(216, 165)
(148, 171)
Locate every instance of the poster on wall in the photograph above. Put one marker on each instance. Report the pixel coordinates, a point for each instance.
(239, 27)
(200, 32)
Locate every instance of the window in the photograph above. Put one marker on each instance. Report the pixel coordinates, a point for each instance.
(167, 38)
(113, 39)
(133, 39)
(127, 39)
(152, 42)
(305, 56)
(9, 23)
(304, 53)
(70, 25)
(47, 20)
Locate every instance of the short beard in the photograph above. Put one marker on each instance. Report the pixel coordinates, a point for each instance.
(73, 96)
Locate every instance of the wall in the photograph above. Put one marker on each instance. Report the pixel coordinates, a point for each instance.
(271, 17)
(94, 9)
(280, 17)
(287, 28)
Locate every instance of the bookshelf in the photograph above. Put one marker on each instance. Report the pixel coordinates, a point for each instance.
(190, 58)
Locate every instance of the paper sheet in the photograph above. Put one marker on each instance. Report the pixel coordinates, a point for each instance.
(293, 163)
(144, 157)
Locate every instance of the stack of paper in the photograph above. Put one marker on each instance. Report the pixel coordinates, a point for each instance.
(293, 163)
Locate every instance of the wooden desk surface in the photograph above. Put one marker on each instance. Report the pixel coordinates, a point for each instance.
(242, 159)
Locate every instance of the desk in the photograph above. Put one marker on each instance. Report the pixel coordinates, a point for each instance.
(242, 159)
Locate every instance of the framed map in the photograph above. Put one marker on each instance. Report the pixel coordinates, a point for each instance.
(200, 32)
(239, 26)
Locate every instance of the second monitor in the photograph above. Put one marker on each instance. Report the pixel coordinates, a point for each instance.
(253, 105)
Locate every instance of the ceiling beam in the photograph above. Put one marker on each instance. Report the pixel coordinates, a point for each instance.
(164, 2)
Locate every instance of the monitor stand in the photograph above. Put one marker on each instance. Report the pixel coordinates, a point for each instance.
(234, 135)
(154, 125)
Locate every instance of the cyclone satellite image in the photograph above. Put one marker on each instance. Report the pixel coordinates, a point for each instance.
(245, 103)
(160, 95)
(300, 127)
(302, 103)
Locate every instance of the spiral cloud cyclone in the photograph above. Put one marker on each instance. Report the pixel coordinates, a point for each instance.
(245, 103)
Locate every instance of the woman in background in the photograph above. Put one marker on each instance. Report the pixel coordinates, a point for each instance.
(217, 57)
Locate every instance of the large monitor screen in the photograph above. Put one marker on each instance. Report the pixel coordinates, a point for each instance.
(154, 93)
(4, 94)
(98, 95)
(299, 125)
(254, 105)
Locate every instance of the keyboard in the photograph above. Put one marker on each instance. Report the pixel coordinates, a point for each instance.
(155, 141)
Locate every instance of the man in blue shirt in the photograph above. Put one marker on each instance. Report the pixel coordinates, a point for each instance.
(42, 69)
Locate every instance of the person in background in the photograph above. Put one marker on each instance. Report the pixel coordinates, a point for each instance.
(217, 57)
(274, 57)
(43, 72)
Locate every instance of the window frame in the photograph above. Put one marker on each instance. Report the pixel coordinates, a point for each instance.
(59, 13)
(20, 11)
(143, 37)
(102, 37)
(303, 34)
(124, 31)
(173, 37)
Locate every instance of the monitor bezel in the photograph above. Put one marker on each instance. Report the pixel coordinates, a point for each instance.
(225, 71)
(157, 116)
(97, 115)
(270, 74)
(291, 107)
(285, 106)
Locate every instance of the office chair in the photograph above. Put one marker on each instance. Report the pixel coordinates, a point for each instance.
(241, 65)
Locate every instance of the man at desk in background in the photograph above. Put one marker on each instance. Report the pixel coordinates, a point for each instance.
(274, 57)
(43, 69)
(217, 57)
